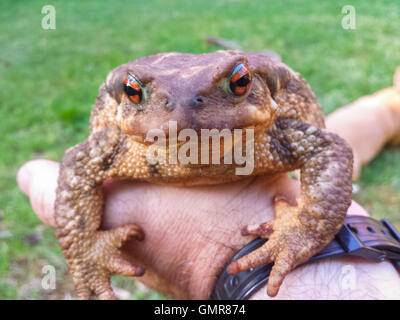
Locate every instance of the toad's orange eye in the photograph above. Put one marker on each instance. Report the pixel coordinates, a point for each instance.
(133, 89)
(240, 81)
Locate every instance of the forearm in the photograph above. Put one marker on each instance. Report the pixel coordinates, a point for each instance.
(367, 124)
(341, 278)
(184, 259)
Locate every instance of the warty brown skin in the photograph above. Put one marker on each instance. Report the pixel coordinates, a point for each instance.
(191, 89)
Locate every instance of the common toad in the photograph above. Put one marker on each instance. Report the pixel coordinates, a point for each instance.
(228, 90)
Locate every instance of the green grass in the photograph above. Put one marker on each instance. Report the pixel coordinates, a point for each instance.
(49, 80)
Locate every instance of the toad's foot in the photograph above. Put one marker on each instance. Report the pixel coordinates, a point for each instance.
(98, 258)
(92, 254)
(299, 232)
(290, 244)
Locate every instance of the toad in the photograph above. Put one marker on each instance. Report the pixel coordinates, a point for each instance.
(224, 91)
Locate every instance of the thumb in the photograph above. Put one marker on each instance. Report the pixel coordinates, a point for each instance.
(38, 180)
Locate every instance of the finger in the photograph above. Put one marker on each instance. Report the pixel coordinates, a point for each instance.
(38, 180)
(83, 292)
(282, 266)
(120, 266)
(263, 230)
(107, 295)
(121, 234)
(252, 260)
(103, 291)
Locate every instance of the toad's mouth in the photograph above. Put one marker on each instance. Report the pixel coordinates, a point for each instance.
(205, 146)
(171, 125)
(180, 136)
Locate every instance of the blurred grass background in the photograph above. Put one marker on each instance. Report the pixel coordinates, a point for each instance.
(49, 81)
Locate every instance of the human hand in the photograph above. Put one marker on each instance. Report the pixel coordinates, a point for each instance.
(192, 232)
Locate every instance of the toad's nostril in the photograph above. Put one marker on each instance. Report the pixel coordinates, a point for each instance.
(169, 105)
(198, 101)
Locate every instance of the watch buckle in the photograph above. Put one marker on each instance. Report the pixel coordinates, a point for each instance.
(353, 245)
(369, 238)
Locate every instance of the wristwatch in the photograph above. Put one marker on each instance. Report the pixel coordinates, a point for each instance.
(359, 236)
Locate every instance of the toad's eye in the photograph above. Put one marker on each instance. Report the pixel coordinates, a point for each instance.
(133, 89)
(240, 81)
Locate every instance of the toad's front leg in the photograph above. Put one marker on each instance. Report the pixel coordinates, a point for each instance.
(92, 255)
(297, 233)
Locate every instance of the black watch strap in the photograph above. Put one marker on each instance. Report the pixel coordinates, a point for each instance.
(359, 236)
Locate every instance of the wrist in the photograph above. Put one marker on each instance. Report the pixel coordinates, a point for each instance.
(339, 278)
(205, 268)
